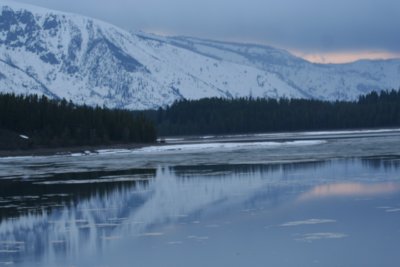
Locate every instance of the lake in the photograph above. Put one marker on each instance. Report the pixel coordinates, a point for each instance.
(288, 199)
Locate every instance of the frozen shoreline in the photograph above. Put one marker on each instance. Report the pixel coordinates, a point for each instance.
(190, 143)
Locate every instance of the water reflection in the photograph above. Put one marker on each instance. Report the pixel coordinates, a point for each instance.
(382, 161)
(350, 189)
(42, 193)
(68, 220)
(237, 169)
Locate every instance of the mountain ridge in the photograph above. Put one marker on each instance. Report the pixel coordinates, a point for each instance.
(88, 61)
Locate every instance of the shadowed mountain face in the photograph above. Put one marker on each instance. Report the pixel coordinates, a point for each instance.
(88, 61)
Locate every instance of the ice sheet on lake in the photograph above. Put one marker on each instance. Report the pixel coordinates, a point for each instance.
(198, 238)
(394, 209)
(17, 157)
(112, 151)
(351, 132)
(307, 222)
(170, 139)
(224, 146)
(310, 237)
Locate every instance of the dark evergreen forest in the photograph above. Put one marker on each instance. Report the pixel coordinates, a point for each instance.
(248, 115)
(54, 123)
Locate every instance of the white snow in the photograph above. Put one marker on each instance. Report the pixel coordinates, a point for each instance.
(307, 222)
(310, 237)
(112, 151)
(224, 146)
(172, 68)
(202, 147)
(352, 132)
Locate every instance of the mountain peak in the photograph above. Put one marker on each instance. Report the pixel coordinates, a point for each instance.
(69, 56)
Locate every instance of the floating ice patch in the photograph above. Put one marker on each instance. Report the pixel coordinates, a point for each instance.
(319, 236)
(19, 157)
(351, 132)
(207, 137)
(112, 151)
(383, 207)
(224, 146)
(307, 222)
(393, 210)
(77, 154)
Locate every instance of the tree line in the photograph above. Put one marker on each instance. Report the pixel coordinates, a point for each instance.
(254, 115)
(33, 121)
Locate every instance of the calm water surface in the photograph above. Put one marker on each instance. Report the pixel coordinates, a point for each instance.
(306, 199)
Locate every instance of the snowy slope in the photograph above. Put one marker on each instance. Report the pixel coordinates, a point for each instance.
(322, 81)
(88, 61)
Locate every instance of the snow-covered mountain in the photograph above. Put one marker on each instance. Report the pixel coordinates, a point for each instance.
(88, 61)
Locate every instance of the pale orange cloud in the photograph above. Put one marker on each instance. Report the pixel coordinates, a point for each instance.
(345, 57)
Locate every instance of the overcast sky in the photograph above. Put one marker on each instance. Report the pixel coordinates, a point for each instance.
(307, 27)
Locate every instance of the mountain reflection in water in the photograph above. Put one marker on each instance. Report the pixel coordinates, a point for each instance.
(63, 219)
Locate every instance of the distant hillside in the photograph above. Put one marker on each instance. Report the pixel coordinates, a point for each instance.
(84, 60)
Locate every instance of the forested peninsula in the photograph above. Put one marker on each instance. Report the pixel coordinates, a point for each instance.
(32, 122)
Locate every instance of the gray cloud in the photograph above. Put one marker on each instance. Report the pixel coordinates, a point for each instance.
(310, 26)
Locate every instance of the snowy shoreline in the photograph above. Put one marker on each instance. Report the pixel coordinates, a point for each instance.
(67, 150)
(192, 143)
